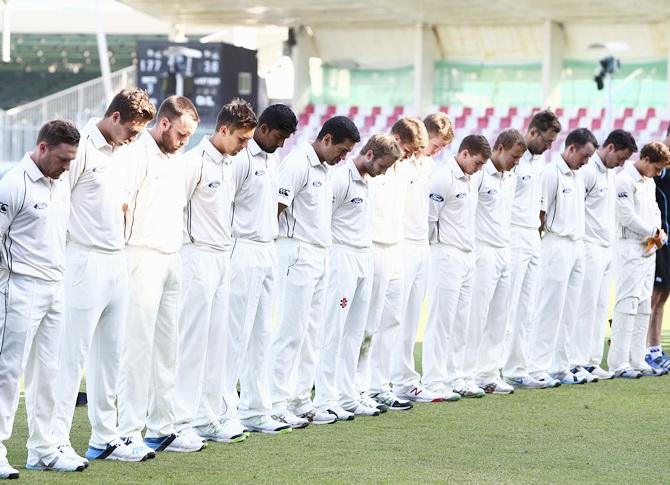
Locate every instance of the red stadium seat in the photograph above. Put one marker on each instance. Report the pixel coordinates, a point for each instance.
(489, 111)
(460, 122)
(596, 124)
(581, 112)
(353, 111)
(398, 110)
(559, 112)
(376, 110)
(444, 109)
(309, 109)
(370, 121)
(505, 122)
(573, 123)
(618, 124)
(482, 123)
(467, 111)
(304, 119)
(331, 110)
(640, 125)
(513, 111)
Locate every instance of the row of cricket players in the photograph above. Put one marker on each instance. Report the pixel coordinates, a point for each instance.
(156, 272)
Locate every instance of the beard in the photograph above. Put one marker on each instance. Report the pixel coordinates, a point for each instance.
(167, 145)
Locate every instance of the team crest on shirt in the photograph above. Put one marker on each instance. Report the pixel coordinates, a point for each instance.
(317, 183)
(259, 173)
(567, 190)
(3, 208)
(343, 303)
(214, 185)
(356, 200)
(436, 197)
(41, 205)
(462, 195)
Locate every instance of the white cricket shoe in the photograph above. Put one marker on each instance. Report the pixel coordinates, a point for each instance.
(467, 389)
(525, 382)
(265, 424)
(119, 451)
(190, 434)
(138, 443)
(69, 452)
(318, 417)
(360, 409)
(393, 402)
(7, 472)
(546, 380)
(582, 373)
(175, 443)
(496, 386)
(291, 419)
(421, 394)
(222, 431)
(648, 371)
(340, 413)
(57, 462)
(599, 372)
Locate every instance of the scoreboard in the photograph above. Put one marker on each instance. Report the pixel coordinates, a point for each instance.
(210, 75)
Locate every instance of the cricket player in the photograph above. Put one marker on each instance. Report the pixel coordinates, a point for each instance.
(203, 353)
(385, 314)
(254, 272)
(656, 357)
(34, 209)
(639, 234)
(597, 175)
(350, 273)
(453, 203)
(416, 259)
(542, 131)
(496, 185)
(562, 260)
(305, 204)
(96, 280)
(154, 230)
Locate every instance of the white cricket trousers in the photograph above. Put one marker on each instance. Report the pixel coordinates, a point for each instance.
(561, 279)
(247, 355)
(634, 286)
(350, 274)
(30, 335)
(373, 374)
(449, 298)
(589, 337)
(524, 272)
(488, 313)
(203, 330)
(416, 261)
(147, 382)
(96, 306)
(302, 273)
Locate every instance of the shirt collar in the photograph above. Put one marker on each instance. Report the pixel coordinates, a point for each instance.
(491, 169)
(599, 162)
(254, 148)
(211, 151)
(563, 166)
(97, 138)
(632, 171)
(353, 169)
(148, 141)
(456, 169)
(31, 168)
(311, 154)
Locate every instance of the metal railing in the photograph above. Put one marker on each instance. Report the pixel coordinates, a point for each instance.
(19, 126)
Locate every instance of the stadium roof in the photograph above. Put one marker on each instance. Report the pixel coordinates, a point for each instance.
(401, 13)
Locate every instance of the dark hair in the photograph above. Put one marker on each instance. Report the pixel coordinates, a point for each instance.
(580, 137)
(544, 121)
(622, 140)
(476, 145)
(175, 106)
(132, 105)
(279, 117)
(509, 138)
(340, 128)
(55, 132)
(236, 114)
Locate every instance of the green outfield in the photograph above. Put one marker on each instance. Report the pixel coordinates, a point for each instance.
(596, 433)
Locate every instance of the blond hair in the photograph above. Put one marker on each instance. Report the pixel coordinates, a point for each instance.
(383, 145)
(439, 124)
(411, 131)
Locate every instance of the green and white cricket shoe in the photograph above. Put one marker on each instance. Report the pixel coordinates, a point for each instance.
(265, 424)
(467, 389)
(222, 431)
(318, 417)
(496, 386)
(287, 417)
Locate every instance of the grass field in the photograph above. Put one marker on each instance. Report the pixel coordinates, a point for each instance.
(596, 433)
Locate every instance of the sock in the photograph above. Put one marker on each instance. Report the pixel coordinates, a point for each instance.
(655, 351)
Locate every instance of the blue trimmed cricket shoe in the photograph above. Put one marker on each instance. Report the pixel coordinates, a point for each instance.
(173, 442)
(567, 378)
(657, 363)
(119, 451)
(627, 374)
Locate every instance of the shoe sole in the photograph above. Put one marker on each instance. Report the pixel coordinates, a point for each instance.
(272, 431)
(41, 468)
(11, 476)
(234, 439)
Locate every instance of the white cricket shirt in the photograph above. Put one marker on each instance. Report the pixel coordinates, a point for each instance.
(388, 213)
(637, 212)
(255, 206)
(494, 207)
(599, 202)
(562, 200)
(305, 190)
(34, 210)
(155, 194)
(526, 207)
(352, 207)
(452, 206)
(210, 190)
(417, 173)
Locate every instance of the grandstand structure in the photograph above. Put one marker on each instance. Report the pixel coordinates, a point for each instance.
(489, 65)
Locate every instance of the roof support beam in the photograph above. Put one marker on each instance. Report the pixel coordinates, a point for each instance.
(425, 49)
(552, 63)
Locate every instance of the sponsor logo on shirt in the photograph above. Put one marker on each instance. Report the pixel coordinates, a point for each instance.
(492, 192)
(462, 195)
(317, 183)
(622, 195)
(260, 173)
(526, 178)
(356, 200)
(284, 192)
(41, 205)
(214, 185)
(436, 197)
(567, 190)
(602, 190)
(98, 169)
(3, 207)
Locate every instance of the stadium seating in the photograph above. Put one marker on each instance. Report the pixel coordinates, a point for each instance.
(646, 124)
